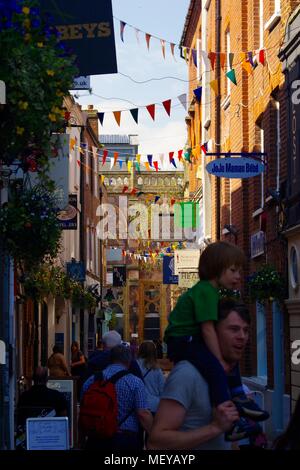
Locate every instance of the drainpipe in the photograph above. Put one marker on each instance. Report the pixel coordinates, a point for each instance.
(218, 114)
(278, 361)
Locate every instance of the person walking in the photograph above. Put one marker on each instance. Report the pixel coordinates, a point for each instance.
(78, 366)
(57, 364)
(151, 373)
(191, 335)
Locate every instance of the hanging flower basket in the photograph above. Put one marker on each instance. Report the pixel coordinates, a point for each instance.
(29, 229)
(267, 284)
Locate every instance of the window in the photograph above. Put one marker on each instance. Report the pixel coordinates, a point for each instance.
(274, 14)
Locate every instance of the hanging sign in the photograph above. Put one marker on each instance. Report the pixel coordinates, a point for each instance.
(188, 279)
(87, 28)
(169, 276)
(232, 167)
(81, 83)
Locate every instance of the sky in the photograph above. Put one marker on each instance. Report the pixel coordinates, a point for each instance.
(164, 19)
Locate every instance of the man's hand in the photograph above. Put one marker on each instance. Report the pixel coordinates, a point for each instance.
(224, 416)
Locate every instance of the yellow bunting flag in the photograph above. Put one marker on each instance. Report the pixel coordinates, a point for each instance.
(243, 57)
(147, 166)
(215, 86)
(117, 115)
(102, 178)
(138, 158)
(222, 59)
(227, 144)
(129, 165)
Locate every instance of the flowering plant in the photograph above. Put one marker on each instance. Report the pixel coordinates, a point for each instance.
(29, 229)
(38, 73)
(266, 284)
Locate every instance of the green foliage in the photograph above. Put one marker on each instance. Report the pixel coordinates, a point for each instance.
(29, 229)
(230, 294)
(267, 284)
(38, 73)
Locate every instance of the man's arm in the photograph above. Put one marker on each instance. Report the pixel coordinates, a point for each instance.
(145, 418)
(165, 434)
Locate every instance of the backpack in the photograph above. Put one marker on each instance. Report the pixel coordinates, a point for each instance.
(98, 416)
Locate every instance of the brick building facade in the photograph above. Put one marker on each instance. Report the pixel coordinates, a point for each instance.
(251, 116)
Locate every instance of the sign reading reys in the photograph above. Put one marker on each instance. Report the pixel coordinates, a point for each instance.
(232, 167)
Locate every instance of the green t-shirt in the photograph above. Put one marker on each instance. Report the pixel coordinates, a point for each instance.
(197, 305)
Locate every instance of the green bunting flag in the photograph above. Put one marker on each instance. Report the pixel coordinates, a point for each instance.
(231, 76)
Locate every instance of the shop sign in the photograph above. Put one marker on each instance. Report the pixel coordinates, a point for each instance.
(235, 167)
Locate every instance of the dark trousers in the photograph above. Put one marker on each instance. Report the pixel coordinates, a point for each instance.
(194, 350)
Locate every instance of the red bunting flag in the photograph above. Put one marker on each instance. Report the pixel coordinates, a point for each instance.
(204, 147)
(125, 188)
(105, 153)
(180, 154)
(133, 192)
(148, 37)
(222, 59)
(171, 156)
(262, 56)
(78, 162)
(167, 106)
(151, 110)
(172, 201)
(212, 58)
(172, 49)
(163, 47)
(155, 164)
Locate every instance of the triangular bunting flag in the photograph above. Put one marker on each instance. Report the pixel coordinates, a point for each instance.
(155, 164)
(204, 147)
(262, 56)
(140, 193)
(243, 57)
(183, 100)
(150, 159)
(147, 166)
(78, 162)
(205, 59)
(172, 201)
(129, 165)
(151, 110)
(250, 58)
(163, 47)
(214, 85)
(212, 58)
(194, 55)
(173, 162)
(198, 93)
(72, 143)
(156, 198)
(102, 178)
(180, 154)
(247, 66)
(105, 153)
(172, 49)
(117, 115)
(171, 156)
(116, 154)
(137, 34)
(125, 188)
(101, 117)
(138, 158)
(231, 76)
(122, 26)
(167, 106)
(161, 158)
(133, 191)
(121, 164)
(230, 58)
(137, 166)
(222, 59)
(185, 54)
(148, 37)
(135, 114)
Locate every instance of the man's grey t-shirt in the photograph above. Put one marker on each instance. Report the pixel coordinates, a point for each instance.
(187, 386)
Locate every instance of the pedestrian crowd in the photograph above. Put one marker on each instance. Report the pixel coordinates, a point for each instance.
(126, 403)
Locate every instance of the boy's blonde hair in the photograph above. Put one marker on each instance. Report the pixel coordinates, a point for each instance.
(217, 257)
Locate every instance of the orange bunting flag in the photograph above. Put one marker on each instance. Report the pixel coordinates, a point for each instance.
(212, 58)
(222, 59)
(163, 47)
(117, 115)
(147, 166)
(151, 110)
(215, 86)
(116, 154)
(180, 154)
(72, 143)
(105, 153)
(155, 164)
(247, 66)
(148, 37)
(167, 106)
(243, 57)
(125, 188)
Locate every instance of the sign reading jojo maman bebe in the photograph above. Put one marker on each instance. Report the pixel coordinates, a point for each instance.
(232, 167)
